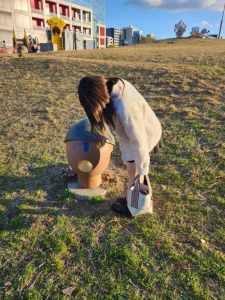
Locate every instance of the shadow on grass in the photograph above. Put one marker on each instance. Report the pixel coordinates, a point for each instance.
(42, 193)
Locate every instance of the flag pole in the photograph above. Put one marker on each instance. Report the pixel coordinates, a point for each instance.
(221, 24)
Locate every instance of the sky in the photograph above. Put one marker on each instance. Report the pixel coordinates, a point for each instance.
(160, 16)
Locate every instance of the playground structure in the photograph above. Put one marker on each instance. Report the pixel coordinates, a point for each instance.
(197, 34)
(85, 156)
(33, 43)
(17, 42)
(180, 29)
(56, 26)
(28, 43)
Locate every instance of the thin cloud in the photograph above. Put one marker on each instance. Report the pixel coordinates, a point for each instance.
(204, 23)
(174, 6)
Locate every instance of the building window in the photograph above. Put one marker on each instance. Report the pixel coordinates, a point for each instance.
(86, 16)
(76, 29)
(64, 10)
(67, 27)
(36, 4)
(75, 13)
(50, 8)
(37, 22)
(87, 31)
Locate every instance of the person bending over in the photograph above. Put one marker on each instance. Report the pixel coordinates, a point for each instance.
(117, 103)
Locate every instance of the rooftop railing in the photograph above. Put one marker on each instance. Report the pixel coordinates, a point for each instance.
(87, 34)
(76, 20)
(64, 17)
(37, 11)
(86, 21)
(51, 14)
(39, 27)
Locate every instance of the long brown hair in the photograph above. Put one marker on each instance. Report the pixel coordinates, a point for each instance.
(94, 95)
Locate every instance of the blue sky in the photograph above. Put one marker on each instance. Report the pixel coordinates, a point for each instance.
(160, 16)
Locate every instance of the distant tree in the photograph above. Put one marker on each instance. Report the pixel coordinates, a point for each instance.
(146, 39)
(111, 46)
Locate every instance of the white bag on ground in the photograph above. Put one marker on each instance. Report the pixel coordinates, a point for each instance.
(138, 199)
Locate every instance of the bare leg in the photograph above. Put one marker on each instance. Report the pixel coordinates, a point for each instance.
(132, 173)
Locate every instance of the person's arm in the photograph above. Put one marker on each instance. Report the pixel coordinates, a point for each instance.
(132, 120)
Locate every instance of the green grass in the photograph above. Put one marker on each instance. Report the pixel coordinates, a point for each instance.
(50, 241)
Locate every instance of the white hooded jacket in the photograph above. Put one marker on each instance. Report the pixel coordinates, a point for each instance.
(137, 128)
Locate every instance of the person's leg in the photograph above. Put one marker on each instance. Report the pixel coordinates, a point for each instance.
(132, 172)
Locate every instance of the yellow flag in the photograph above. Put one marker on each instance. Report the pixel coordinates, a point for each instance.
(14, 39)
(26, 40)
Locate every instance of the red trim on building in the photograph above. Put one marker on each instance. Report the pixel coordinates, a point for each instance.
(102, 42)
(102, 31)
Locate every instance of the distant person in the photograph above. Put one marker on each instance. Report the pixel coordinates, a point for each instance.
(117, 103)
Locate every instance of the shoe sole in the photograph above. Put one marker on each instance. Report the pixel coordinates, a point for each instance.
(122, 212)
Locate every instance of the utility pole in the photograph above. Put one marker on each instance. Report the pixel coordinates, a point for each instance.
(221, 24)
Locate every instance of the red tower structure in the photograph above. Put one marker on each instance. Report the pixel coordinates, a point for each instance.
(180, 28)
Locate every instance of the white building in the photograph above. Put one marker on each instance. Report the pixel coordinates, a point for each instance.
(109, 41)
(130, 35)
(32, 15)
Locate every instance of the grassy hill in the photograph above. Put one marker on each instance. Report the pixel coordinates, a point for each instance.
(50, 242)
